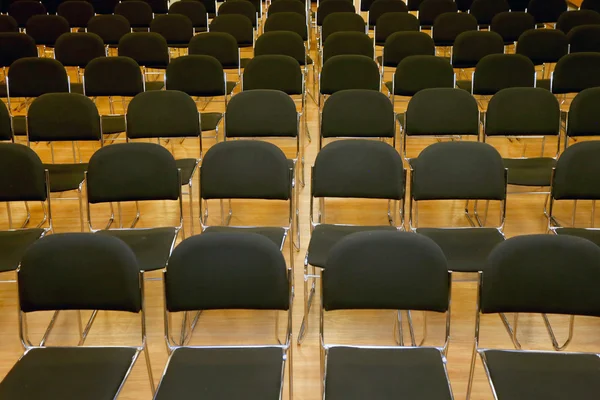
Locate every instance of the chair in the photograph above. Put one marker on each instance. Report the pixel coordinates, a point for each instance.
(382, 7)
(485, 10)
(251, 274)
(287, 21)
(575, 72)
(341, 43)
(341, 22)
(584, 39)
(8, 24)
(470, 47)
(77, 12)
(45, 29)
(413, 5)
(195, 11)
(590, 5)
(22, 10)
(14, 46)
(332, 6)
(521, 270)
(295, 6)
(134, 172)
(442, 113)
(349, 169)
(137, 12)
(468, 171)
(495, 72)
(28, 183)
(111, 28)
(77, 50)
(429, 10)
(244, 7)
(511, 25)
(400, 45)
(177, 29)
(581, 119)
(545, 11)
(348, 71)
(447, 26)
(393, 22)
(543, 47)
(150, 50)
(222, 46)
(236, 25)
(570, 19)
(286, 43)
(168, 114)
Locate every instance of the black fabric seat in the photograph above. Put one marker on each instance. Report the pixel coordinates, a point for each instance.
(210, 120)
(113, 124)
(465, 249)
(151, 246)
(54, 373)
(529, 171)
(275, 234)
(154, 85)
(592, 235)
(187, 167)
(19, 125)
(13, 245)
(324, 237)
(245, 373)
(359, 373)
(537, 375)
(64, 177)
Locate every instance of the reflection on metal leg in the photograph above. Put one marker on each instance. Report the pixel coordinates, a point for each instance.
(412, 330)
(149, 367)
(28, 217)
(468, 215)
(555, 344)
(398, 332)
(475, 211)
(308, 298)
(88, 326)
(137, 215)
(9, 215)
(49, 329)
(183, 328)
(512, 331)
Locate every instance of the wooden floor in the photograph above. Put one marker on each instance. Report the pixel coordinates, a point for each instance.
(524, 216)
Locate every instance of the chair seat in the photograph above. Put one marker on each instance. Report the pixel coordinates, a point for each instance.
(550, 376)
(382, 374)
(275, 234)
(64, 177)
(325, 236)
(187, 167)
(13, 245)
(242, 373)
(230, 86)
(154, 85)
(152, 246)
(210, 120)
(466, 249)
(464, 85)
(77, 87)
(543, 83)
(55, 373)
(593, 235)
(19, 123)
(529, 171)
(113, 124)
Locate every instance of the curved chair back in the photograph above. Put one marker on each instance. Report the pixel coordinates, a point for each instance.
(340, 43)
(400, 45)
(148, 49)
(342, 22)
(577, 173)
(14, 46)
(194, 10)
(495, 72)
(381, 7)
(511, 25)
(582, 114)
(543, 45)
(111, 28)
(584, 38)
(21, 11)
(113, 76)
(546, 10)
(8, 24)
(28, 182)
(333, 6)
(287, 21)
(570, 19)
(46, 29)
(196, 75)
(76, 12)
(274, 72)
(177, 29)
(448, 26)
(349, 72)
(393, 22)
(283, 43)
(486, 10)
(575, 72)
(78, 49)
(137, 12)
(220, 45)
(429, 10)
(415, 73)
(239, 26)
(470, 47)
(33, 76)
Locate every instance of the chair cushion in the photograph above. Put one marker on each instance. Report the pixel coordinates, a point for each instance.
(529, 171)
(210, 120)
(464, 85)
(13, 245)
(77, 87)
(55, 373)
(275, 234)
(19, 125)
(151, 246)
(230, 86)
(536, 375)
(593, 235)
(113, 124)
(325, 236)
(466, 249)
(187, 167)
(154, 85)
(215, 374)
(65, 177)
(543, 83)
(414, 373)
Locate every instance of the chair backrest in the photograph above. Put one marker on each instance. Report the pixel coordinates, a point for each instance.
(458, 171)
(448, 26)
(226, 271)
(14, 46)
(63, 117)
(393, 22)
(196, 75)
(495, 72)
(8, 24)
(287, 21)
(177, 29)
(386, 270)
(210, 5)
(485, 10)
(342, 22)
(546, 10)
(158, 6)
(33, 76)
(132, 172)
(220, 45)
(111, 28)
(522, 112)
(442, 111)
(246, 169)
(138, 13)
(194, 10)
(333, 6)
(295, 6)
(570, 19)
(22, 10)
(148, 49)
(470, 47)
(400, 45)
(62, 272)
(381, 7)
(415, 73)
(429, 10)
(349, 72)
(239, 26)
(358, 168)
(577, 173)
(261, 113)
(283, 43)
(275, 72)
(5, 123)
(543, 45)
(582, 119)
(575, 72)
(584, 38)
(536, 274)
(45, 29)
(78, 49)
(113, 76)
(590, 5)
(27, 178)
(241, 7)
(358, 113)
(340, 43)
(511, 25)
(76, 12)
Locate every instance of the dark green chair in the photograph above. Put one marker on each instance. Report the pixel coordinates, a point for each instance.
(581, 120)
(46, 29)
(14, 46)
(429, 10)
(329, 7)
(237, 25)
(177, 29)
(543, 47)
(546, 11)
(381, 7)
(341, 43)
(584, 38)
(447, 26)
(495, 72)
(511, 25)
(295, 6)
(341, 22)
(137, 12)
(111, 28)
(348, 71)
(195, 11)
(576, 72)
(570, 19)
(150, 50)
(77, 12)
(470, 47)
(222, 46)
(76, 50)
(392, 22)
(8, 24)
(287, 21)
(240, 7)
(485, 10)
(400, 45)
(21, 11)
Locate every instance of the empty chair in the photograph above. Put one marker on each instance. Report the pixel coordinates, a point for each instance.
(6, 133)
(340, 43)
(400, 45)
(51, 277)
(45, 29)
(150, 50)
(511, 25)
(194, 10)
(406, 272)
(137, 12)
(495, 72)
(349, 169)
(211, 7)
(332, 6)
(470, 47)
(546, 11)
(415, 73)
(520, 272)
(22, 10)
(287, 21)
(543, 47)
(245, 8)
(78, 49)
(393, 22)
(584, 38)
(283, 43)
(111, 28)
(203, 275)
(175, 28)
(381, 7)
(575, 72)
(295, 6)
(429, 10)
(440, 112)
(348, 72)
(14, 46)
(77, 12)
(342, 22)
(486, 10)
(8, 24)
(239, 26)
(581, 119)
(447, 26)
(220, 45)
(570, 19)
